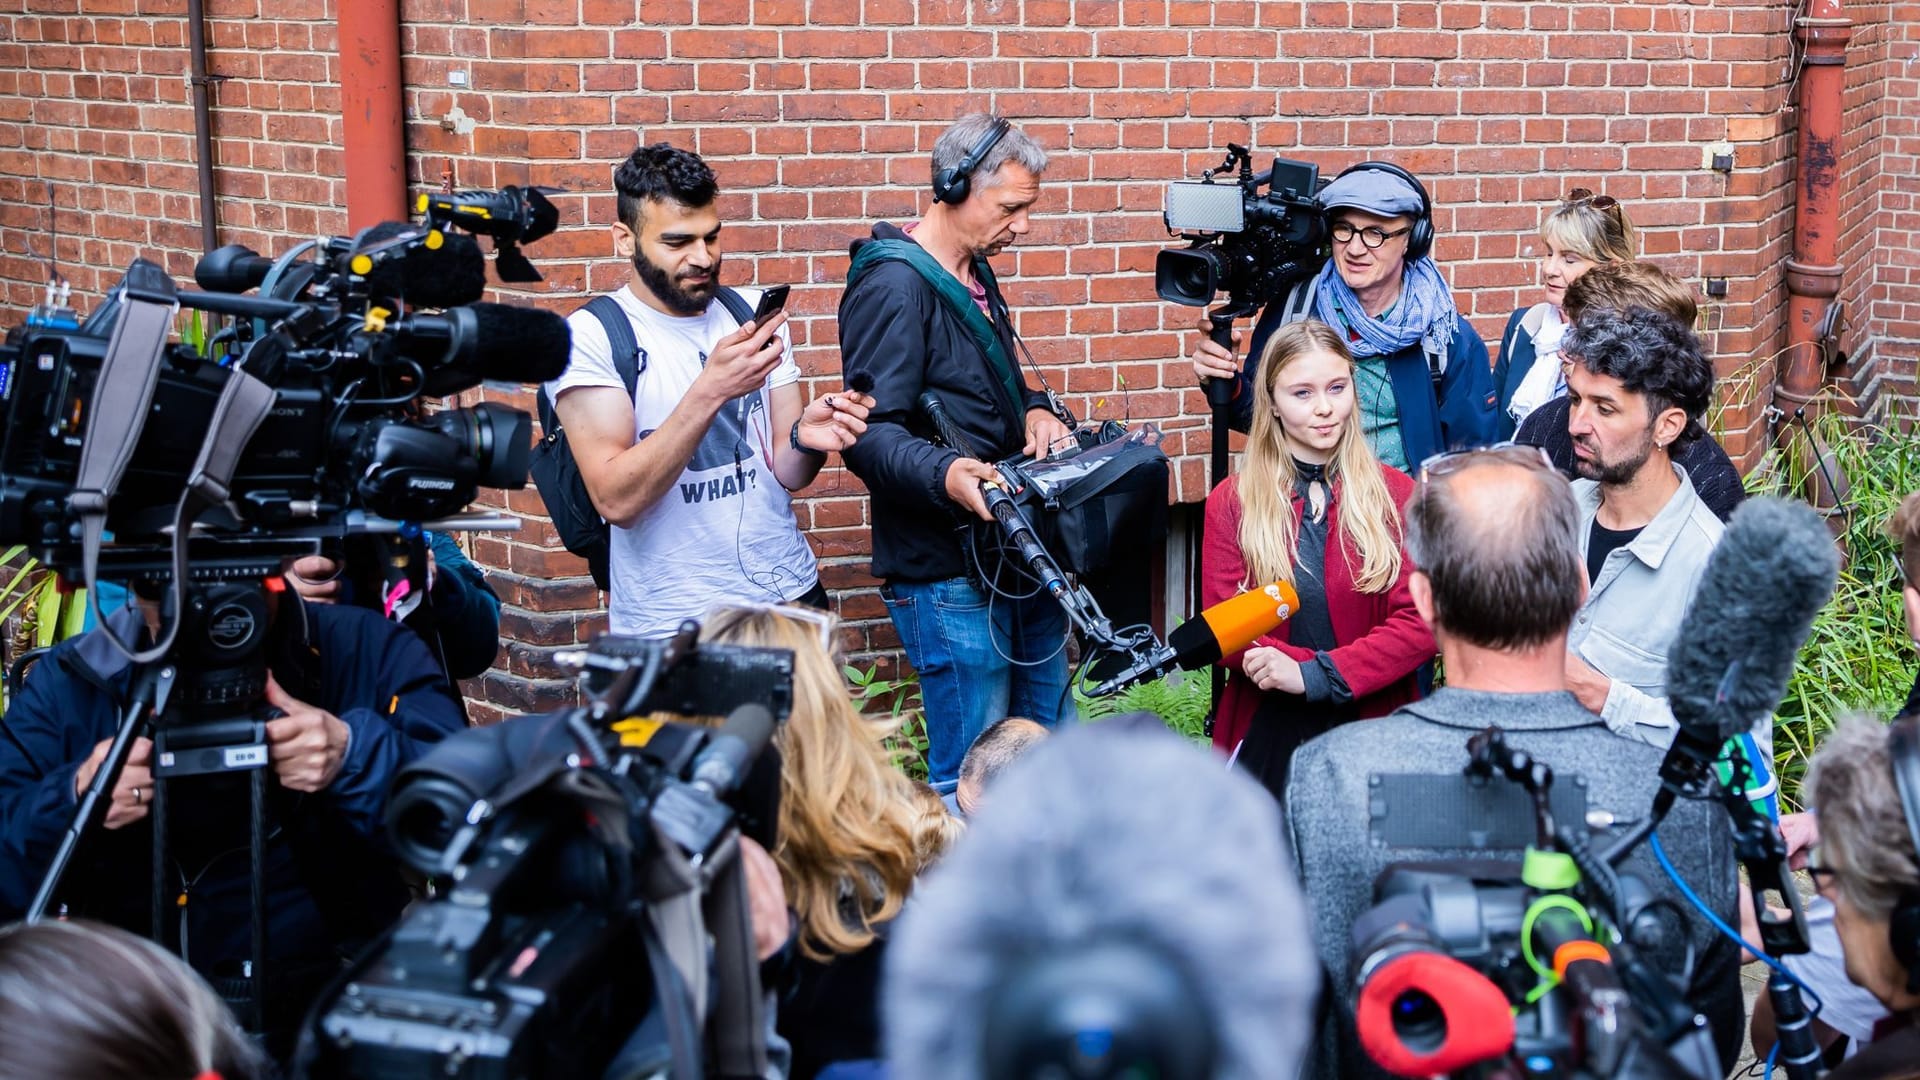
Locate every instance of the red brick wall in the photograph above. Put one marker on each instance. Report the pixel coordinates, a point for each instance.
(818, 118)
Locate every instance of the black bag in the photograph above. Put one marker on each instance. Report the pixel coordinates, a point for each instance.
(582, 530)
(1105, 505)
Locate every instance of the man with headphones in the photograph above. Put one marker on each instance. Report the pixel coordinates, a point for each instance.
(1422, 379)
(922, 313)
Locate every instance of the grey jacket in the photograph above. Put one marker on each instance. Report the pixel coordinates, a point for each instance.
(1328, 806)
(1634, 607)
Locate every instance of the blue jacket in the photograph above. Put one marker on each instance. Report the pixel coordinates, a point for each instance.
(1461, 415)
(329, 879)
(1517, 354)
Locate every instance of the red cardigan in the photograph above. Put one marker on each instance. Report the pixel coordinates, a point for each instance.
(1382, 640)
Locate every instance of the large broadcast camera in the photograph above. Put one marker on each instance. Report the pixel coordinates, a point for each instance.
(191, 469)
(1251, 246)
(593, 918)
(343, 364)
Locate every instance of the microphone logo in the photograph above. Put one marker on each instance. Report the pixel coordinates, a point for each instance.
(1283, 610)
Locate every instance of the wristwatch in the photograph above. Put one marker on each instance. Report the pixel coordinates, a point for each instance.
(794, 438)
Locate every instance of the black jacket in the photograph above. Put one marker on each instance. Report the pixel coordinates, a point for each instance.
(895, 328)
(329, 880)
(1714, 477)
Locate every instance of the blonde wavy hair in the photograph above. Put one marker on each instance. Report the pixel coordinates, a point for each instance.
(1369, 521)
(846, 850)
(1602, 233)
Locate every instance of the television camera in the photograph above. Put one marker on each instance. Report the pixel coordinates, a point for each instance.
(584, 857)
(193, 469)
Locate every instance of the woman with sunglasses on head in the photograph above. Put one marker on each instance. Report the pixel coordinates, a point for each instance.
(1584, 231)
(1313, 506)
(846, 840)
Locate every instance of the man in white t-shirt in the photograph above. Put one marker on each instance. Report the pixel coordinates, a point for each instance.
(694, 470)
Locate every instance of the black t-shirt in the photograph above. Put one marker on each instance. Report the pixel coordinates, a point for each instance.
(1601, 543)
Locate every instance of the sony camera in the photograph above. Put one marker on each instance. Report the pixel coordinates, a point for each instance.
(583, 860)
(1242, 241)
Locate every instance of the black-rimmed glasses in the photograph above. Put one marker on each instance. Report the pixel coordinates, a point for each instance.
(1373, 236)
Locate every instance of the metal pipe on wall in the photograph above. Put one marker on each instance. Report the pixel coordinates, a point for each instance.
(372, 112)
(199, 85)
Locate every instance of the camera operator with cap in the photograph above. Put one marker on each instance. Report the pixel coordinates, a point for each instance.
(1422, 377)
(358, 698)
(923, 312)
(1493, 538)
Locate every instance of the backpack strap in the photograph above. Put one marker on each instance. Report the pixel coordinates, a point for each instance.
(628, 361)
(735, 304)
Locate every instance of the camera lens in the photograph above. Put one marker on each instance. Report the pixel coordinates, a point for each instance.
(1188, 275)
(1418, 1021)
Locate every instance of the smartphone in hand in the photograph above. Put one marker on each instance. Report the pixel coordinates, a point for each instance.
(771, 301)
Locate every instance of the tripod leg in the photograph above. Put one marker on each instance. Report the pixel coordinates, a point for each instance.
(93, 806)
(258, 843)
(158, 816)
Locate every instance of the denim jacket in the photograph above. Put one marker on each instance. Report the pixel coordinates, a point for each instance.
(1634, 608)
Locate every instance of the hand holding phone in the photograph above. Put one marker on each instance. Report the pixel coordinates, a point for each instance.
(771, 301)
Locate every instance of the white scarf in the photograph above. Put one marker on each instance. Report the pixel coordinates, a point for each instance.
(1542, 382)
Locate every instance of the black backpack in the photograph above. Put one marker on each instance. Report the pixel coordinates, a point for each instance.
(581, 528)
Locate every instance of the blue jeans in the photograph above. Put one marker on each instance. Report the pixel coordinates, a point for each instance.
(978, 662)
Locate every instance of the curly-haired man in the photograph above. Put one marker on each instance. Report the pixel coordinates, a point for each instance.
(1638, 384)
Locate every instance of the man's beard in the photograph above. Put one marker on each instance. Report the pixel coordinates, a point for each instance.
(680, 300)
(1619, 472)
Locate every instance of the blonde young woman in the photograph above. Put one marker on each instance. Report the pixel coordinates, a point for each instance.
(846, 845)
(1313, 506)
(1584, 231)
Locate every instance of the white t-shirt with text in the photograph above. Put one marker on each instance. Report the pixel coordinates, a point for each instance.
(725, 530)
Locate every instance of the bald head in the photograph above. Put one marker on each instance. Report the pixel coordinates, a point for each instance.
(1499, 544)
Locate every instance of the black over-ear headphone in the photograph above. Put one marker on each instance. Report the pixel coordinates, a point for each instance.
(1903, 926)
(1420, 240)
(950, 186)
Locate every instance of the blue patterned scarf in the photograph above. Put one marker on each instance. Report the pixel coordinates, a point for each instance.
(1424, 313)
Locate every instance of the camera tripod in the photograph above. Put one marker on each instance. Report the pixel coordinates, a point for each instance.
(201, 703)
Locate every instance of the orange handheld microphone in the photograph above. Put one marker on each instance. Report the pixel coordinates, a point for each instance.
(1223, 629)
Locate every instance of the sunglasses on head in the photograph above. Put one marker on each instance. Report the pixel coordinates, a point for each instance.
(1582, 195)
(1510, 453)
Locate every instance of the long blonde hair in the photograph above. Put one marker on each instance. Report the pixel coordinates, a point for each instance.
(846, 850)
(1369, 521)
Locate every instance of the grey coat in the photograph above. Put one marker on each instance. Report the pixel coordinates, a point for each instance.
(1328, 814)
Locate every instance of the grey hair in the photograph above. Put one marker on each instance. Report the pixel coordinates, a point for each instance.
(1863, 828)
(1505, 569)
(1015, 146)
(1107, 832)
(81, 1000)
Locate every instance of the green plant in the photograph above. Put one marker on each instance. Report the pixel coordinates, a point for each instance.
(1857, 658)
(48, 615)
(1182, 699)
(900, 698)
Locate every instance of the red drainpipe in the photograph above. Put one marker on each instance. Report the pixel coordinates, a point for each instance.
(371, 112)
(1813, 274)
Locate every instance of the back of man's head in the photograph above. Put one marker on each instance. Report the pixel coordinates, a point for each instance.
(1499, 545)
(999, 746)
(1104, 850)
(661, 172)
(1650, 354)
(1634, 283)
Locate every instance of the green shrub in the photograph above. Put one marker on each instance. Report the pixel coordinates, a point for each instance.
(1858, 658)
(1182, 699)
(900, 698)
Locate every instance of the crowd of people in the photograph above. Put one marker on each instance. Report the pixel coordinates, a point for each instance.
(1474, 540)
